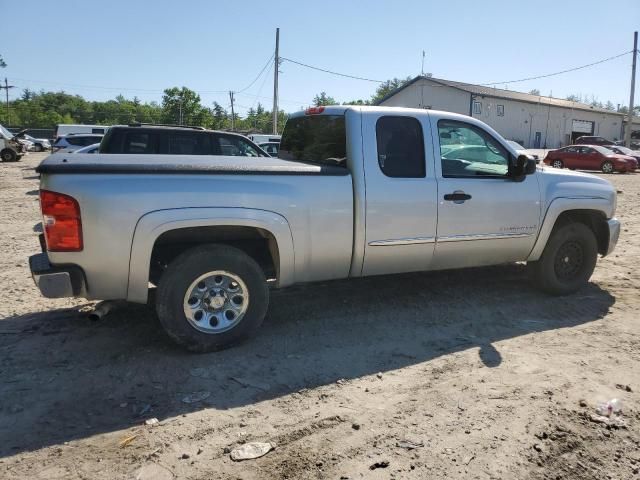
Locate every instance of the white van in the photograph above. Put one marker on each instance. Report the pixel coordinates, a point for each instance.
(66, 129)
(263, 138)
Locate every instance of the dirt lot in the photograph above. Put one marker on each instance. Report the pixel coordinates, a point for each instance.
(484, 377)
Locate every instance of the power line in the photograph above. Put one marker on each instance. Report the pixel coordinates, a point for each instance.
(256, 79)
(331, 72)
(558, 73)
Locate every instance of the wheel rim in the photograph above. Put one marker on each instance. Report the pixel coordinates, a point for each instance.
(557, 164)
(607, 167)
(569, 260)
(216, 302)
(6, 157)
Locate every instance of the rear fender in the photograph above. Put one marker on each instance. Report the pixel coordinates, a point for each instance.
(154, 224)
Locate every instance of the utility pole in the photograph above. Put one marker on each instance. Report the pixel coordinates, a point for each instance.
(275, 83)
(180, 112)
(233, 114)
(627, 135)
(6, 87)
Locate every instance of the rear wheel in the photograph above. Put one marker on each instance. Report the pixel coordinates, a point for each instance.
(211, 297)
(557, 164)
(607, 167)
(38, 147)
(568, 260)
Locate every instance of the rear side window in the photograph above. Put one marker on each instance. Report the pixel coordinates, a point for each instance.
(185, 144)
(98, 130)
(400, 147)
(316, 139)
(135, 142)
(78, 141)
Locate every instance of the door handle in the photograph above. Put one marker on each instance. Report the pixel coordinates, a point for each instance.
(457, 196)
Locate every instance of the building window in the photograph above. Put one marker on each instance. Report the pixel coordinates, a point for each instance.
(477, 108)
(500, 110)
(400, 144)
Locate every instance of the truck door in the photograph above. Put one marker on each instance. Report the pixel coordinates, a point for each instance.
(401, 193)
(484, 216)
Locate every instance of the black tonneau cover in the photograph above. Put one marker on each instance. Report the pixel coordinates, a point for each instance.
(180, 164)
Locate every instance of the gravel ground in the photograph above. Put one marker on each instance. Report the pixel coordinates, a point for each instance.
(466, 374)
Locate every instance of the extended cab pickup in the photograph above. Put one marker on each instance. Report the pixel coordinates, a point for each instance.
(356, 191)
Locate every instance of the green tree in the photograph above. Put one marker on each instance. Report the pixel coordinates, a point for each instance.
(535, 91)
(387, 87)
(2, 62)
(220, 117)
(182, 105)
(357, 102)
(323, 99)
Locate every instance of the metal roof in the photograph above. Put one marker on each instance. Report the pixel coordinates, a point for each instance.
(483, 90)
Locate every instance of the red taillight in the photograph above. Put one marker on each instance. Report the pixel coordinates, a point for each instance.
(314, 110)
(61, 220)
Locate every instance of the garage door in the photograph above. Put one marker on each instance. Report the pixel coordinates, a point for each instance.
(582, 126)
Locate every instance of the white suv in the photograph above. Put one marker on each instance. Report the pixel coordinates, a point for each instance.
(72, 142)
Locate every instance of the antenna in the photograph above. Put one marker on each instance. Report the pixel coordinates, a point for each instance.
(422, 69)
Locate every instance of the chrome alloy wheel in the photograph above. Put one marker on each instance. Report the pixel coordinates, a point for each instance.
(216, 302)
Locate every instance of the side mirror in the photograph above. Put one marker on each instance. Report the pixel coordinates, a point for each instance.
(523, 166)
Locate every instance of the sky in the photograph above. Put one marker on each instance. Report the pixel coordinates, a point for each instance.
(138, 48)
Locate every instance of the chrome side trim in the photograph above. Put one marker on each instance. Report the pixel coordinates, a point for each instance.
(483, 236)
(402, 241)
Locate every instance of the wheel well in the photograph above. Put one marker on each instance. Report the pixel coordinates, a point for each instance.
(259, 244)
(594, 219)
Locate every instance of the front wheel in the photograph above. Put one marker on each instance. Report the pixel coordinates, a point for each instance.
(8, 155)
(607, 167)
(557, 164)
(568, 260)
(211, 297)
(38, 147)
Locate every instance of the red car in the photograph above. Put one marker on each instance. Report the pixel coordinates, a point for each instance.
(590, 157)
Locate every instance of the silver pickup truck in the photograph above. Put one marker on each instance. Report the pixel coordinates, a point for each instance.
(355, 191)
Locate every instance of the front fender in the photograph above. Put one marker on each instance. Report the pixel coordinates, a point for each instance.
(561, 205)
(151, 225)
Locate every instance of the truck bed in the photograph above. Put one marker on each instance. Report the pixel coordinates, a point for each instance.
(186, 164)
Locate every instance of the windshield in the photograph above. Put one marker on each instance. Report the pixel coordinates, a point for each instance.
(625, 150)
(316, 139)
(5, 133)
(602, 150)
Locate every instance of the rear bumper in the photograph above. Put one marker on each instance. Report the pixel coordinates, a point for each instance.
(614, 234)
(56, 281)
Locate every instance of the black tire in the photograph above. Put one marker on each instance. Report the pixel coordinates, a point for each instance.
(607, 167)
(557, 163)
(568, 260)
(179, 277)
(8, 155)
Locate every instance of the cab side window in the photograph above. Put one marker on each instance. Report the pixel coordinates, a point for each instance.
(400, 147)
(469, 151)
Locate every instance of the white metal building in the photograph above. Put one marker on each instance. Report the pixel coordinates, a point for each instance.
(531, 120)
